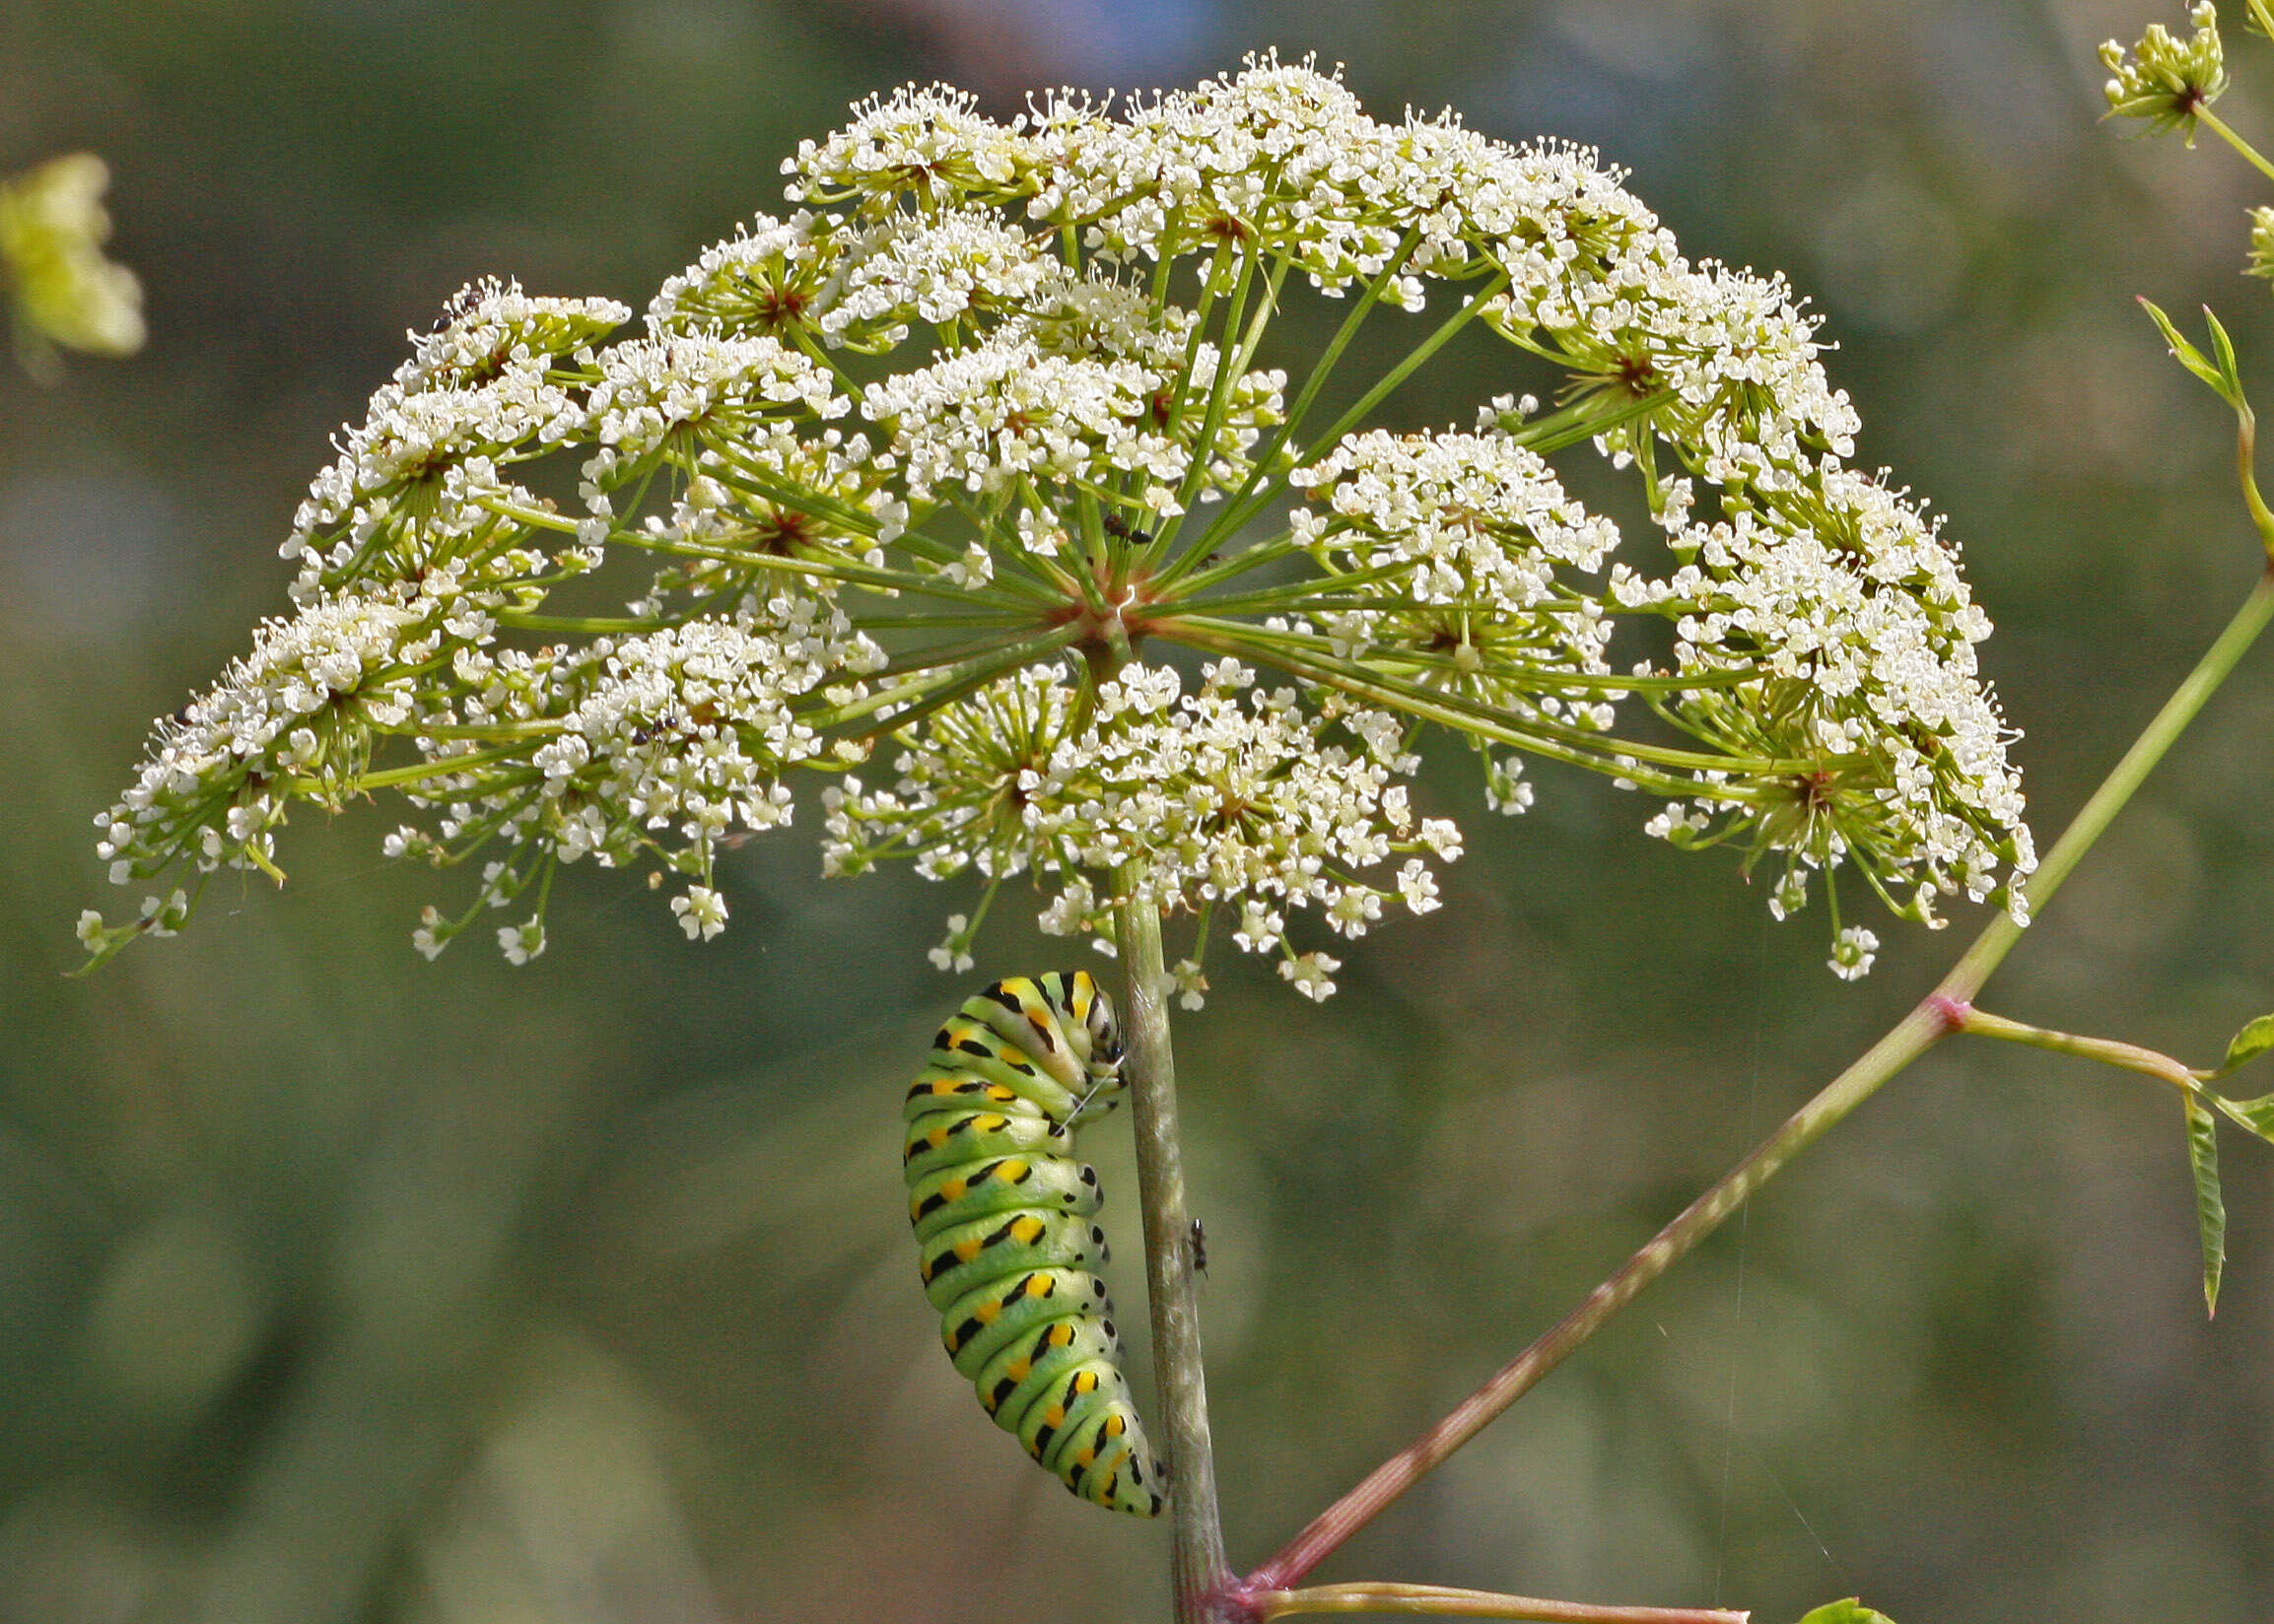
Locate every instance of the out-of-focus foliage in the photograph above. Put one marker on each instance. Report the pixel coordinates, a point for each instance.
(340, 1285)
(52, 228)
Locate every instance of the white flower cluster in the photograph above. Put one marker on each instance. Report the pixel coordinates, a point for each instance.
(1231, 797)
(989, 418)
(938, 269)
(734, 390)
(414, 555)
(992, 400)
(220, 774)
(1469, 541)
(763, 279)
(418, 482)
(659, 745)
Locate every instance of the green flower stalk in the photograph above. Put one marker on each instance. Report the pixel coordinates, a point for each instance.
(52, 228)
(977, 494)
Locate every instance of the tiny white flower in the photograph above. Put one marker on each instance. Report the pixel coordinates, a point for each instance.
(521, 942)
(702, 913)
(1310, 973)
(1853, 953)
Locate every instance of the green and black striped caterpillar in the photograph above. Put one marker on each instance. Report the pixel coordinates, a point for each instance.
(1003, 1210)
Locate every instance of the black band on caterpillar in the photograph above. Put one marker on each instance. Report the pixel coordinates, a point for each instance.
(1002, 1210)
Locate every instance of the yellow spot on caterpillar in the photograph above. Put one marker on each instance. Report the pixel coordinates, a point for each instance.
(1086, 1382)
(953, 1190)
(936, 1138)
(989, 1123)
(1085, 1457)
(1055, 1415)
(1019, 1370)
(965, 1251)
(1026, 1231)
(996, 1091)
(1009, 1173)
(1061, 1333)
(1038, 1286)
(988, 1313)
(1115, 1426)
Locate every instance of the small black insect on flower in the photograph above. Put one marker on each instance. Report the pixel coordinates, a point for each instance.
(1120, 530)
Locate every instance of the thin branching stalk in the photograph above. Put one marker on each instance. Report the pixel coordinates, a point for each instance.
(1934, 1017)
(1200, 1573)
(2147, 1062)
(1444, 1601)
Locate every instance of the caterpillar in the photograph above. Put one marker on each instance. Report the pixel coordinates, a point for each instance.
(1006, 1247)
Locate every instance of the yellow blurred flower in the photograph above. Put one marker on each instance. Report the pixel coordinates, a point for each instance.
(52, 228)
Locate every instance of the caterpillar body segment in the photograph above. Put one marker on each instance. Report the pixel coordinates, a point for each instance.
(983, 1321)
(955, 1260)
(954, 1195)
(1001, 1211)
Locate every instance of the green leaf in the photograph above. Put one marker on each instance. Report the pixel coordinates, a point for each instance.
(2210, 1209)
(2255, 1115)
(2251, 1041)
(1850, 1611)
(2229, 372)
(2220, 379)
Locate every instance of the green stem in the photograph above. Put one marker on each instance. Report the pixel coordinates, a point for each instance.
(1585, 421)
(1939, 1013)
(1595, 752)
(1253, 500)
(1236, 510)
(1196, 1531)
(2108, 1050)
(2221, 129)
(1405, 368)
(2246, 465)
(1444, 1601)
(2191, 1081)
(391, 778)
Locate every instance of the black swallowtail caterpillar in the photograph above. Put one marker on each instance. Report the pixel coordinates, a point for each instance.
(1003, 1210)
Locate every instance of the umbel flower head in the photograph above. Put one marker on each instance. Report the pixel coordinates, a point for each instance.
(2167, 81)
(979, 504)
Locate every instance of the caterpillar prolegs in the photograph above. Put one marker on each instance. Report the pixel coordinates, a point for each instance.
(1006, 1247)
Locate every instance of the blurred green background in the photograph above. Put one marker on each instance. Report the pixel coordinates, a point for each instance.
(335, 1285)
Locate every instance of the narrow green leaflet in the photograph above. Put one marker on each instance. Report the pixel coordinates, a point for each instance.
(2210, 1209)
(2255, 1115)
(2251, 1041)
(2220, 376)
(1850, 1611)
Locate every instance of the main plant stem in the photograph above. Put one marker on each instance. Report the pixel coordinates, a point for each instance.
(1197, 1563)
(1936, 1015)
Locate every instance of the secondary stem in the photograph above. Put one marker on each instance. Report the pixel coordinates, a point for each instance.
(2108, 1050)
(1444, 1601)
(1198, 1561)
(1935, 1015)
